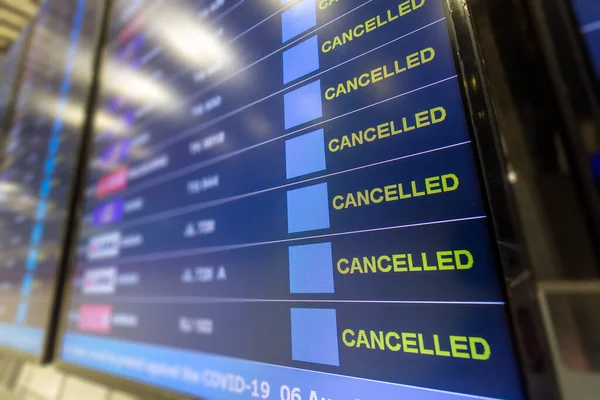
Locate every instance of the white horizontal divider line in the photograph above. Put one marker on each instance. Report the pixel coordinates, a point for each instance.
(216, 249)
(288, 5)
(219, 300)
(591, 27)
(228, 11)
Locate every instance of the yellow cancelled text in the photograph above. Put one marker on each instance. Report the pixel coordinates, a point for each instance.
(323, 4)
(381, 73)
(398, 191)
(389, 129)
(447, 260)
(474, 348)
(392, 14)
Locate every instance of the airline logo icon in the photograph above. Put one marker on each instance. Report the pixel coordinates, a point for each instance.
(116, 153)
(130, 29)
(104, 246)
(109, 213)
(113, 105)
(112, 182)
(100, 281)
(95, 318)
(129, 119)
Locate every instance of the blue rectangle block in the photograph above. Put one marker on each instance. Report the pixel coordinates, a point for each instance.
(314, 336)
(45, 188)
(36, 234)
(31, 262)
(301, 60)
(21, 316)
(308, 208)
(54, 143)
(27, 285)
(305, 154)
(298, 19)
(303, 105)
(49, 168)
(40, 213)
(311, 268)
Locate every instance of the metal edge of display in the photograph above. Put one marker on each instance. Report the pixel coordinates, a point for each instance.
(50, 333)
(489, 168)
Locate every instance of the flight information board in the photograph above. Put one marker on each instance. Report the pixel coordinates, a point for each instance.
(289, 208)
(39, 158)
(588, 12)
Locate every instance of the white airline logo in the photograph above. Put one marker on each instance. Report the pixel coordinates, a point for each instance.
(100, 281)
(107, 245)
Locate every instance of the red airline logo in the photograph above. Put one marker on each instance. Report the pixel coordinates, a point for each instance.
(112, 182)
(95, 318)
(131, 28)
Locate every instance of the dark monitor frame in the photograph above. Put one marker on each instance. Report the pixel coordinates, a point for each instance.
(498, 198)
(50, 334)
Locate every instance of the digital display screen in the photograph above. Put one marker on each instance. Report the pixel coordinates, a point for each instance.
(588, 13)
(287, 208)
(38, 161)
